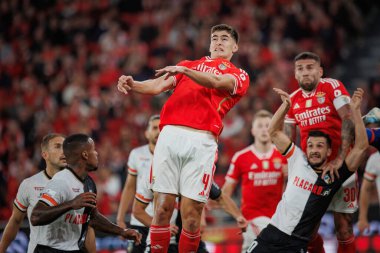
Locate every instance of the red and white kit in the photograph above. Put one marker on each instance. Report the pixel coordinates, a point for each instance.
(184, 157)
(318, 111)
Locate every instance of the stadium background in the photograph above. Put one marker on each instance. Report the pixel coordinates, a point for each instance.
(60, 59)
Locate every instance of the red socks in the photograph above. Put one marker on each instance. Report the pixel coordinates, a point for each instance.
(159, 239)
(189, 242)
(316, 245)
(347, 246)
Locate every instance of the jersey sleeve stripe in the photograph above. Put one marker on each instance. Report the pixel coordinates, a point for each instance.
(290, 150)
(20, 206)
(372, 136)
(132, 171)
(369, 176)
(141, 198)
(341, 101)
(48, 200)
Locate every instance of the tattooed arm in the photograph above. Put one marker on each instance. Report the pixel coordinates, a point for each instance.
(290, 131)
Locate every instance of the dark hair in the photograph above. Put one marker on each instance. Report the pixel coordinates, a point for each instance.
(307, 55)
(73, 146)
(229, 29)
(317, 133)
(47, 138)
(152, 118)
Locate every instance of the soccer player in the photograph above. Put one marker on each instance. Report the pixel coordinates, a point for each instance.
(323, 104)
(30, 189)
(67, 205)
(139, 163)
(262, 170)
(191, 120)
(308, 192)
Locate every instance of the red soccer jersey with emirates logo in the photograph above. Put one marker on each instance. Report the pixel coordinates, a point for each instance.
(262, 180)
(318, 111)
(198, 107)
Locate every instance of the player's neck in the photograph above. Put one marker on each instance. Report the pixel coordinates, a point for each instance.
(51, 170)
(262, 147)
(151, 147)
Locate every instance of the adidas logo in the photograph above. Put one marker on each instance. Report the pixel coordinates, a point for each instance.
(351, 205)
(157, 246)
(296, 106)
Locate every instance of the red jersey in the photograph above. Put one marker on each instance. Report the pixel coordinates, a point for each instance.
(318, 111)
(262, 180)
(198, 107)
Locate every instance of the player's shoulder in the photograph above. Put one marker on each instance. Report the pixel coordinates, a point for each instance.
(374, 158)
(140, 150)
(296, 93)
(330, 83)
(38, 177)
(242, 152)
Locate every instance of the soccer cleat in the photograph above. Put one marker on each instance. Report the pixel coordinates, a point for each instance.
(372, 117)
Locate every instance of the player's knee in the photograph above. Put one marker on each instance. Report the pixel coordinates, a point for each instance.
(343, 226)
(162, 214)
(191, 223)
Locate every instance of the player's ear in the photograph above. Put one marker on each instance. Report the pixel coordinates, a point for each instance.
(320, 71)
(235, 48)
(329, 151)
(85, 154)
(44, 155)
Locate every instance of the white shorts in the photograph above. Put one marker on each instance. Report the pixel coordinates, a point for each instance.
(183, 162)
(346, 198)
(254, 228)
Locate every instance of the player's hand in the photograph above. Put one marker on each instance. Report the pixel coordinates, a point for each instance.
(356, 99)
(173, 229)
(86, 199)
(131, 234)
(242, 223)
(170, 71)
(332, 168)
(363, 225)
(284, 96)
(125, 84)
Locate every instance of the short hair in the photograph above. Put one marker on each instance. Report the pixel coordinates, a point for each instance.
(317, 133)
(73, 145)
(152, 118)
(307, 55)
(262, 114)
(229, 29)
(47, 138)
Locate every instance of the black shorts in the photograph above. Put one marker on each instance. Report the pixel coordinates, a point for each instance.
(271, 239)
(144, 232)
(46, 249)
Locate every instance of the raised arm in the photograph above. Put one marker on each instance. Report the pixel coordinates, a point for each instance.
(208, 80)
(357, 154)
(149, 87)
(279, 138)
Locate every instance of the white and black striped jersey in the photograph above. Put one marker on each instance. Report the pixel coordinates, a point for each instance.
(307, 196)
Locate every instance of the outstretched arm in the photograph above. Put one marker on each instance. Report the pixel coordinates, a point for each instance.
(365, 192)
(279, 138)
(208, 80)
(149, 87)
(127, 195)
(357, 154)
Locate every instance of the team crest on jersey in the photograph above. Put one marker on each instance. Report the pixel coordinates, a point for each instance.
(277, 163)
(222, 66)
(321, 97)
(327, 179)
(326, 192)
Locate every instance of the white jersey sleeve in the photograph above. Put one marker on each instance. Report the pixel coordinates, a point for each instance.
(133, 163)
(293, 154)
(56, 192)
(22, 198)
(372, 169)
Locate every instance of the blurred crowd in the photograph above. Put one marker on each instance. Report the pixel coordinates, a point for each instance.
(60, 60)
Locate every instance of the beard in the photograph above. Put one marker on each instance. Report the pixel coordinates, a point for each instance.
(308, 86)
(316, 166)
